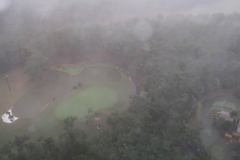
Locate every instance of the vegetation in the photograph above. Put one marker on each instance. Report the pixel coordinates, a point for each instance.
(152, 55)
(70, 144)
(208, 131)
(10, 117)
(90, 115)
(236, 150)
(224, 126)
(35, 65)
(71, 69)
(113, 120)
(79, 84)
(75, 87)
(86, 102)
(217, 152)
(182, 58)
(233, 114)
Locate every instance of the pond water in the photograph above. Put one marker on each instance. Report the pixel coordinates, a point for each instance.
(212, 140)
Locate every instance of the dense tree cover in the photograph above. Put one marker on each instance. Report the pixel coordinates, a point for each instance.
(70, 145)
(149, 132)
(35, 65)
(156, 127)
(206, 46)
(174, 60)
(133, 138)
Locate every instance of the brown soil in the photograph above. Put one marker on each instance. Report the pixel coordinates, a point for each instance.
(97, 54)
(97, 119)
(19, 84)
(59, 84)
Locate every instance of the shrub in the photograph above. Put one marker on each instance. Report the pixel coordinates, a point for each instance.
(233, 113)
(75, 87)
(218, 152)
(10, 117)
(79, 84)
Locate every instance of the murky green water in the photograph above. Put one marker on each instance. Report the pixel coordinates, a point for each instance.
(213, 142)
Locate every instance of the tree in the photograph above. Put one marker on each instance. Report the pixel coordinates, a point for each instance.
(233, 114)
(10, 117)
(34, 150)
(71, 145)
(25, 52)
(69, 122)
(19, 143)
(90, 115)
(72, 140)
(35, 65)
(79, 84)
(222, 125)
(15, 149)
(113, 119)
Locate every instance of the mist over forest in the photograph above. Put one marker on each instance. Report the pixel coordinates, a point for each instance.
(175, 52)
(16, 13)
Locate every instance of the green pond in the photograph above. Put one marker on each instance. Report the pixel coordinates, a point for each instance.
(212, 140)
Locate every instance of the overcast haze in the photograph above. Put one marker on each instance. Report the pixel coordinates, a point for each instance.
(122, 9)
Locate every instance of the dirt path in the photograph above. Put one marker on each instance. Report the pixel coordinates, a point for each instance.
(59, 84)
(19, 84)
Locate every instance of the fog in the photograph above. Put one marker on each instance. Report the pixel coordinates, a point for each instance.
(169, 54)
(109, 10)
(4, 4)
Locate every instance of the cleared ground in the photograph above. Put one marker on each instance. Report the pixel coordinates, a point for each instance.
(104, 93)
(59, 84)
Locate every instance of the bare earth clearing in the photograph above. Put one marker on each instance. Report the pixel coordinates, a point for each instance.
(59, 84)
(29, 99)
